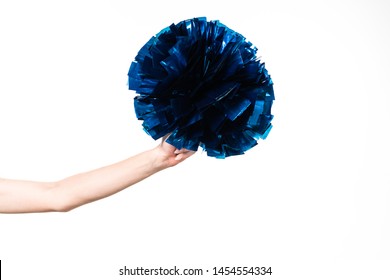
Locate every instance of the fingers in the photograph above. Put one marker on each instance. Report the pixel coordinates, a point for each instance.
(179, 157)
(165, 137)
(183, 154)
(181, 151)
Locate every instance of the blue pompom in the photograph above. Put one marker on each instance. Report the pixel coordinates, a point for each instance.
(202, 83)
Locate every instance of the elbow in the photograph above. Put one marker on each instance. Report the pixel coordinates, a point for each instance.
(60, 200)
(63, 204)
(62, 208)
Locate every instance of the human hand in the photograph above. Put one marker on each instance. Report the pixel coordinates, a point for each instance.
(169, 156)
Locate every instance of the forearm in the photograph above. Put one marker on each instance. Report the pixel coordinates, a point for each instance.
(86, 187)
(18, 196)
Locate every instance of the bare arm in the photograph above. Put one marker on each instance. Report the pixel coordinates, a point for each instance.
(23, 196)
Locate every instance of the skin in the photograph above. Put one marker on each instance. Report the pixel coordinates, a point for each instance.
(18, 196)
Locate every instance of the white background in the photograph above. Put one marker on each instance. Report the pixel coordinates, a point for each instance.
(312, 200)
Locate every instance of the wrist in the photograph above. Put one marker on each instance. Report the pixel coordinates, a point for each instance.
(160, 160)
